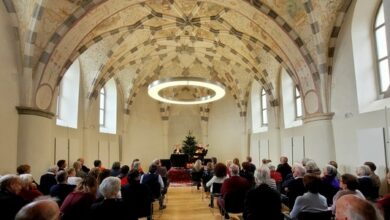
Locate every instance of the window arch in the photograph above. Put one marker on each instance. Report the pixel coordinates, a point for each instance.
(381, 50)
(263, 108)
(108, 107)
(68, 97)
(291, 101)
(256, 108)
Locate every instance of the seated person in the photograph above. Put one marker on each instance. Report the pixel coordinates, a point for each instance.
(46, 209)
(366, 185)
(312, 201)
(112, 207)
(208, 173)
(295, 187)
(177, 149)
(384, 203)
(330, 184)
(137, 197)
(348, 185)
(48, 180)
(155, 184)
(62, 189)
(10, 201)
(29, 189)
(351, 207)
(219, 177)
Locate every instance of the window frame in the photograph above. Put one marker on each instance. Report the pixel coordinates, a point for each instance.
(263, 95)
(377, 59)
(297, 96)
(103, 93)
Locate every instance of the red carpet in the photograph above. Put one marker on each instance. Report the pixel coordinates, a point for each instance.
(179, 176)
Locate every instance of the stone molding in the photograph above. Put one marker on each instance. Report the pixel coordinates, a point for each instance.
(318, 117)
(24, 110)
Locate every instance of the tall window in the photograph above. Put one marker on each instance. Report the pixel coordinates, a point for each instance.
(263, 107)
(298, 104)
(102, 108)
(381, 50)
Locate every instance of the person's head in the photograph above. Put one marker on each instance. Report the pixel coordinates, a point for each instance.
(236, 161)
(71, 172)
(53, 169)
(334, 163)
(88, 185)
(283, 160)
(81, 160)
(348, 181)
(229, 163)
(312, 183)
(311, 167)
(26, 181)
(136, 165)
(371, 165)
(363, 170)
(61, 164)
(234, 170)
(263, 174)
(110, 187)
(46, 209)
(97, 163)
(133, 177)
(124, 170)
(62, 177)
(304, 161)
(271, 167)
(351, 207)
(198, 165)
(22, 169)
(103, 174)
(116, 165)
(298, 170)
(330, 171)
(214, 160)
(220, 170)
(77, 166)
(11, 183)
(152, 168)
(209, 166)
(249, 159)
(94, 172)
(157, 162)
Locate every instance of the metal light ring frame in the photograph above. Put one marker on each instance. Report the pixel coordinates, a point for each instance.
(155, 87)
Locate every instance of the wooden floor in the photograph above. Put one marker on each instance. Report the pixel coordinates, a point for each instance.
(185, 203)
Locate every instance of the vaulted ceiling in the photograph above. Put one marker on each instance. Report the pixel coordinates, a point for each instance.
(136, 42)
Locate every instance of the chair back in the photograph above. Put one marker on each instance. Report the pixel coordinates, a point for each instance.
(217, 188)
(234, 201)
(326, 215)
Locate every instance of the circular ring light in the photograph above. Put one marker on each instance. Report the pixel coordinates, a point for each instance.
(155, 90)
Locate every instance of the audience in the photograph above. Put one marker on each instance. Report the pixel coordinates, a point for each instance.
(348, 185)
(136, 164)
(98, 164)
(263, 176)
(83, 167)
(247, 173)
(48, 180)
(29, 190)
(155, 184)
(112, 207)
(46, 209)
(366, 185)
(208, 173)
(251, 167)
(312, 168)
(351, 207)
(94, 171)
(233, 192)
(116, 168)
(76, 205)
(62, 189)
(10, 201)
(262, 202)
(330, 184)
(72, 178)
(137, 197)
(284, 168)
(237, 162)
(334, 163)
(311, 201)
(219, 177)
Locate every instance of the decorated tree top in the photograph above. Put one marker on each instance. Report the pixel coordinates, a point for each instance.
(189, 145)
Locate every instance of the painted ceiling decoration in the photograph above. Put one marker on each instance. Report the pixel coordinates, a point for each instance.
(138, 41)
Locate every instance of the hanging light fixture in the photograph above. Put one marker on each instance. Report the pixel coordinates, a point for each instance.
(158, 90)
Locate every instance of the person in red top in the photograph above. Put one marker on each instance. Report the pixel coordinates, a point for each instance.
(77, 204)
(29, 189)
(275, 174)
(233, 192)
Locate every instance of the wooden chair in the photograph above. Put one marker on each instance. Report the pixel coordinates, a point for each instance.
(216, 193)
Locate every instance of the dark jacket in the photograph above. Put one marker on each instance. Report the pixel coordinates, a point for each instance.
(138, 198)
(10, 204)
(61, 191)
(47, 181)
(111, 209)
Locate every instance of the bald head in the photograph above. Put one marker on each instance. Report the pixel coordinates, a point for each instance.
(39, 210)
(350, 207)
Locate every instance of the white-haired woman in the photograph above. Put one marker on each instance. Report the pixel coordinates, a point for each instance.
(112, 207)
(263, 175)
(366, 185)
(29, 190)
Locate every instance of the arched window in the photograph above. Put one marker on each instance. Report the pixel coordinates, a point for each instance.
(381, 50)
(298, 104)
(68, 97)
(108, 107)
(263, 108)
(102, 107)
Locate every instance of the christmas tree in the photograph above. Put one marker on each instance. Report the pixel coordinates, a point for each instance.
(189, 145)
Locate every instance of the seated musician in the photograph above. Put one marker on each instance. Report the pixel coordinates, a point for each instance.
(177, 149)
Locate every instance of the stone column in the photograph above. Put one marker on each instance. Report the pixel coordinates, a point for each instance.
(35, 142)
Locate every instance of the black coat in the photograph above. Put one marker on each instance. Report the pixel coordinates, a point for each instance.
(138, 198)
(111, 209)
(47, 181)
(10, 204)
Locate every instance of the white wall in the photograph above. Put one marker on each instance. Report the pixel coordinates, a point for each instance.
(9, 95)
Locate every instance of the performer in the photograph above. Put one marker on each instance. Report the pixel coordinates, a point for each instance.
(177, 149)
